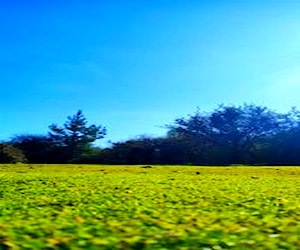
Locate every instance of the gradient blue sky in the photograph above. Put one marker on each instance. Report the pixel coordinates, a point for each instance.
(134, 66)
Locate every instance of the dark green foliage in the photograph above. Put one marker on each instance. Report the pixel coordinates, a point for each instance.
(245, 134)
(147, 150)
(92, 155)
(135, 151)
(229, 134)
(10, 154)
(284, 148)
(37, 148)
(74, 138)
(70, 143)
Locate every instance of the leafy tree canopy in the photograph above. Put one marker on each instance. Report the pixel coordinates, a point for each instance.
(75, 136)
(229, 131)
(37, 148)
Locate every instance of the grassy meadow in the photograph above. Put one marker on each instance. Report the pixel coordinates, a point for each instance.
(163, 207)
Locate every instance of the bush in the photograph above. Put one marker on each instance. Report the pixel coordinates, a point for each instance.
(10, 154)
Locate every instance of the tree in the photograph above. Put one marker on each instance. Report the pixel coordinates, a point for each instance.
(284, 148)
(74, 138)
(228, 134)
(147, 150)
(10, 154)
(135, 151)
(37, 148)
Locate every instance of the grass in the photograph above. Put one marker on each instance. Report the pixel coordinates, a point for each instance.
(163, 207)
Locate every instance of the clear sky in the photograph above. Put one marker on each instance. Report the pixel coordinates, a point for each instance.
(134, 66)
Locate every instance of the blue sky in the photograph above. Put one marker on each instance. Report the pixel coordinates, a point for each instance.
(134, 66)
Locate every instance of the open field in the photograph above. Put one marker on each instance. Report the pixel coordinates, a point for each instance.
(163, 207)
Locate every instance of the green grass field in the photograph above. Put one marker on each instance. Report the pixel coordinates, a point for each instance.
(163, 207)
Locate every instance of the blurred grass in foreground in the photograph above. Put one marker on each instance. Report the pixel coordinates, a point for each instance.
(163, 207)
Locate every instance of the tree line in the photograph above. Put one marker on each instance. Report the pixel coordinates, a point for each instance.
(246, 134)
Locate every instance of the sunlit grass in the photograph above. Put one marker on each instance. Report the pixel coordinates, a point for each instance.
(163, 207)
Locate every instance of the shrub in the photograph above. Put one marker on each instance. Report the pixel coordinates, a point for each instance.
(10, 154)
